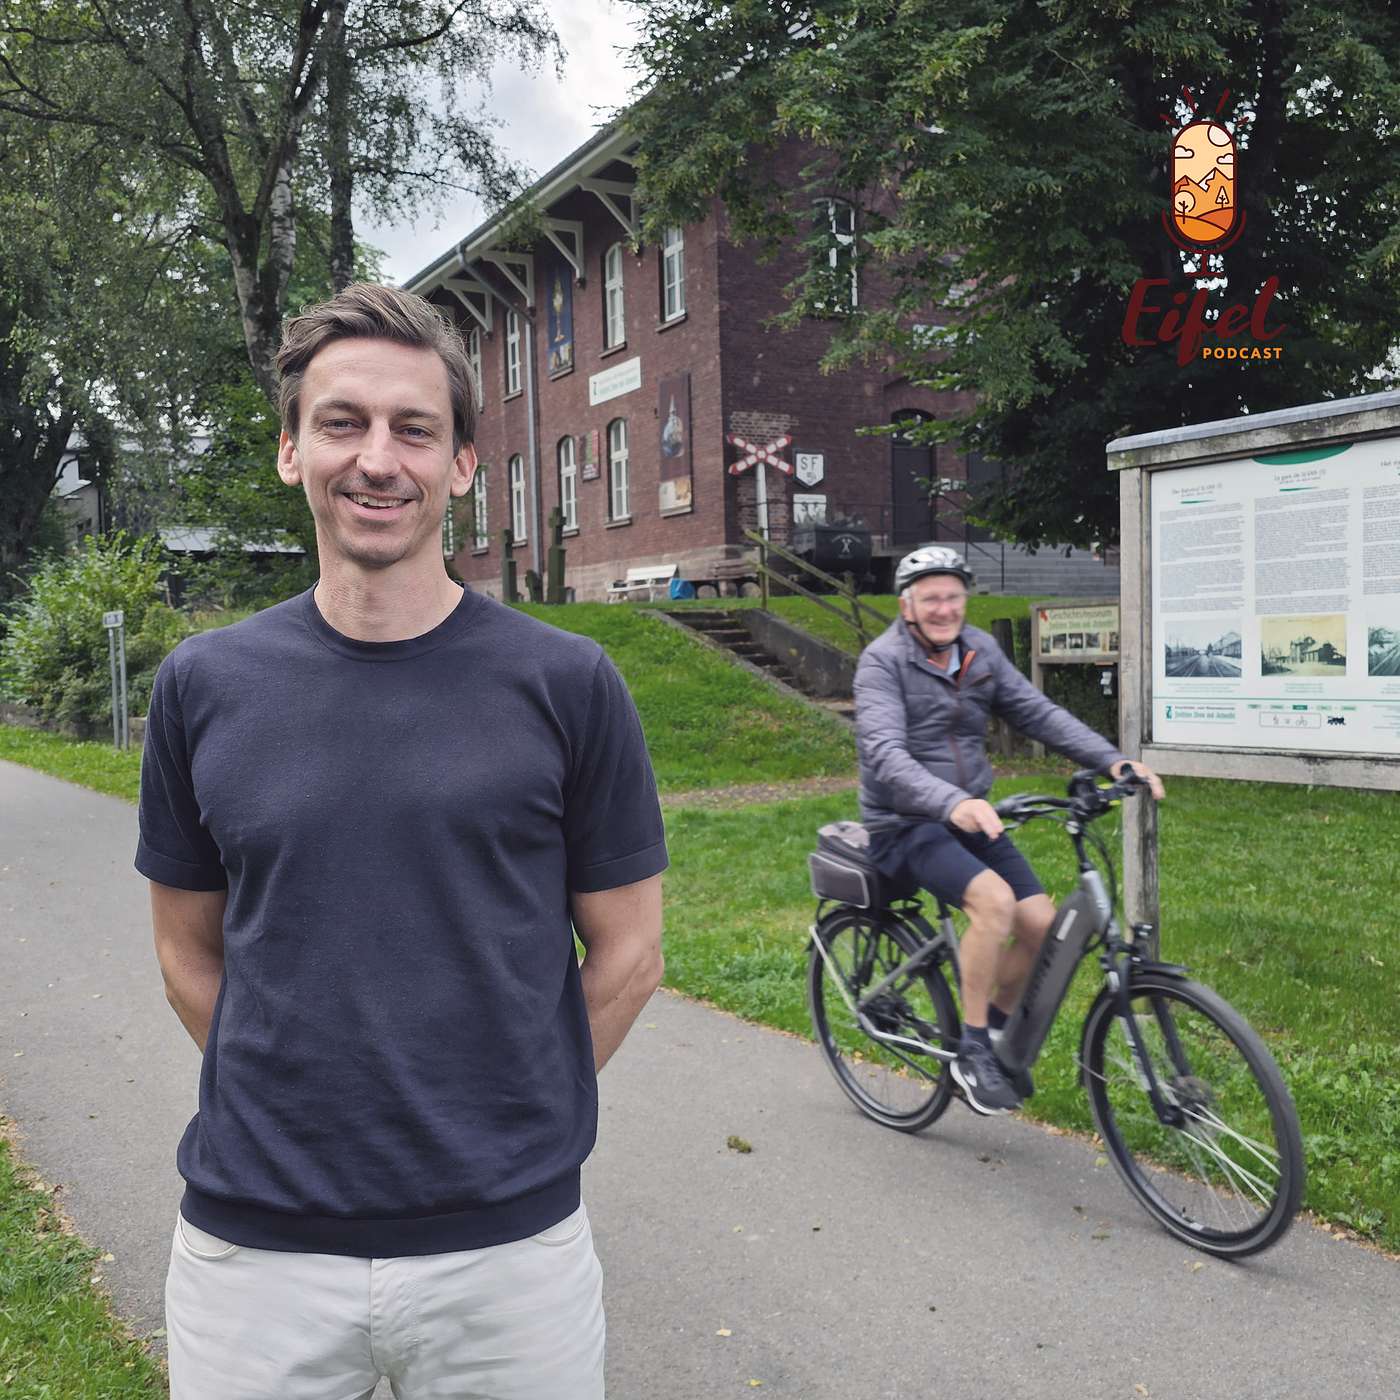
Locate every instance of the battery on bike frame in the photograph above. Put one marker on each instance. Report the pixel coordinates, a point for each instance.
(1076, 921)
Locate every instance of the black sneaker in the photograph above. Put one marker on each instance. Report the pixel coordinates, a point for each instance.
(983, 1080)
(1021, 1079)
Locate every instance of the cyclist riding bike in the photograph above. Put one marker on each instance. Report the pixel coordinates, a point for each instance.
(924, 691)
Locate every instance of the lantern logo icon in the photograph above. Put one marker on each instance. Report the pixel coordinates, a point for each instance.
(1205, 214)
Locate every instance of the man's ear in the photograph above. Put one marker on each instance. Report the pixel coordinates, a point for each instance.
(288, 459)
(463, 470)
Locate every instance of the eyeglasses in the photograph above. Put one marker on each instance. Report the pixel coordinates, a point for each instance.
(943, 600)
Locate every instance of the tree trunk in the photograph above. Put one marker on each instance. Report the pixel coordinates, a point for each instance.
(31, 449)
(338, 132)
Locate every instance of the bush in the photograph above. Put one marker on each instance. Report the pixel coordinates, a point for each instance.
(54, 657)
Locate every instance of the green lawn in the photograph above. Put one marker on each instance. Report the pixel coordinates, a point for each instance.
(802, 612)
(93, 764)
(58, 1338)
(708, 722)
(1274, 896)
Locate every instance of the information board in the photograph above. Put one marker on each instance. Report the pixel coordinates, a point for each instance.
(1276, 602)
(1083, 632)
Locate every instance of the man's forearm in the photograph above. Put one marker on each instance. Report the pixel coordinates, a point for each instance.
(189, 936)
(617, 983)
(192, 989)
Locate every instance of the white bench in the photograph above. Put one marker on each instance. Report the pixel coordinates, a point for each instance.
(643, 582)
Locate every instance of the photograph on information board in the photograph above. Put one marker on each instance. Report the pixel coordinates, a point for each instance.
(1383, 651)
(1209, 647)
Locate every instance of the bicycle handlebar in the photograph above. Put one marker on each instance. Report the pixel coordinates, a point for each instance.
(1087, 800)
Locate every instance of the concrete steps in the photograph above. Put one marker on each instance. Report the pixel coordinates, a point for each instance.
(726, 629)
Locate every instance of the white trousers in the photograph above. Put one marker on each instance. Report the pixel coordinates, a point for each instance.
(519, 1321)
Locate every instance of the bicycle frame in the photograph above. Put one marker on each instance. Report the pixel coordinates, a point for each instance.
(1085, 917)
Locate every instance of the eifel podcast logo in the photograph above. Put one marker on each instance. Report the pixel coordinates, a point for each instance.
(1204, 218)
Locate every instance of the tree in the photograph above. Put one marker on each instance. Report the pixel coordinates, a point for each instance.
(99, 316)
(1011, 164)
(234, 95)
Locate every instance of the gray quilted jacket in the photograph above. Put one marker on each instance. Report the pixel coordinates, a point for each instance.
(922, 733)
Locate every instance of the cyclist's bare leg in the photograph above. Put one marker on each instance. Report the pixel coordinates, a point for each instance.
(1029, 926)
(990, 907)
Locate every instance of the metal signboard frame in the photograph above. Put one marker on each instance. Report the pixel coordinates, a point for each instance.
(1144, 464)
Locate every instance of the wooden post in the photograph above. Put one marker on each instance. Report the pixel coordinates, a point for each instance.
(509, 592)
(1141, 893)
(554, 563)
(1001, 629)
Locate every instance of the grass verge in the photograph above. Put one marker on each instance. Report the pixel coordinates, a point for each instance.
(708, 722)
(58, 1338)
(802, 612)
(95, 765)
(1289, 918)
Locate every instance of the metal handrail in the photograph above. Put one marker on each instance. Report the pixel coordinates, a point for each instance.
(845, 590)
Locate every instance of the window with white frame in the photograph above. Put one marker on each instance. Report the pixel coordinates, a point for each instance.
(838, 219)
(672, 273)
(474, 359)
(480, 539)
(517, 499)
(449, 534)
(614, 312)
(512, 352)
(619, 499)
(568, 483)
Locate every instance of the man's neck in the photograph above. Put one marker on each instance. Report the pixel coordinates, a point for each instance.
(385, 605)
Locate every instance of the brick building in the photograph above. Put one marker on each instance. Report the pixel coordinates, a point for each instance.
(613, 380)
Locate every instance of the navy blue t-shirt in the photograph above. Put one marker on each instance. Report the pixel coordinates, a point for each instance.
(399, 1061)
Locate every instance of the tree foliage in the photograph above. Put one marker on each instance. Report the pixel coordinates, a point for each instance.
(55, 657)
(102, 315)
(1010, 166)
(231, 98)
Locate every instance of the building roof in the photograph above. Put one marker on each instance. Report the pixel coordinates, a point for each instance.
(199, 539)
(609, 143)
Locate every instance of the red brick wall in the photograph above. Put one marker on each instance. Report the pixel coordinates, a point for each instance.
(744, 378)
(600, 552)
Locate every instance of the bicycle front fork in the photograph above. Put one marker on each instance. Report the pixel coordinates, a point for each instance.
(1120, 960)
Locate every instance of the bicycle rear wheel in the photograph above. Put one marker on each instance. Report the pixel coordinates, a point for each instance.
(1229, 1178)
(901, 1087)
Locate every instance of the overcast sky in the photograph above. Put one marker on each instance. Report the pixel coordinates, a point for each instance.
(545, 118)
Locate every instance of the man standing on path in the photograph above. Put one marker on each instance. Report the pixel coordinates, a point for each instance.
(373, 817)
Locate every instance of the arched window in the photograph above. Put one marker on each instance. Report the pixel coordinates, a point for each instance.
(672, 273)
(480, 539)
(614, 312)
(619, 497)
(837, 219)
(512, 353)
(568, 483)
(474, 359)
(517, 499)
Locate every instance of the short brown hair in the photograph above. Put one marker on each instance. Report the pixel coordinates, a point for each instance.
(365, 310)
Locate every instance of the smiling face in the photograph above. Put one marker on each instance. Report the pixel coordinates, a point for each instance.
(373, 451)
(938, 604)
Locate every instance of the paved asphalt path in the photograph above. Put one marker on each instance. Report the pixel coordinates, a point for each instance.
(983, 1258)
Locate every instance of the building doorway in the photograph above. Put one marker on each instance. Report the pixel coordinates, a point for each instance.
(911, 469)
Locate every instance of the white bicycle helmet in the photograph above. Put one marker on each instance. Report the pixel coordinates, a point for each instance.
(931, 559)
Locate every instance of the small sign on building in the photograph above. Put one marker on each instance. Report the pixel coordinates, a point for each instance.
(809, 467)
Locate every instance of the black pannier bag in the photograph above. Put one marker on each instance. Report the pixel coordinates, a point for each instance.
(842, 870)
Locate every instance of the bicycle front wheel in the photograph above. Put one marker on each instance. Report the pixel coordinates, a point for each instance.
(897, 1084)
(1227, 1177)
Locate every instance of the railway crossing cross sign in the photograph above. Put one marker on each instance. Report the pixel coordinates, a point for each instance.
(767, 454)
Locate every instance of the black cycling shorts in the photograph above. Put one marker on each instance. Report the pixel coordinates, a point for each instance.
(941, 858)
